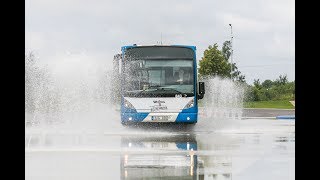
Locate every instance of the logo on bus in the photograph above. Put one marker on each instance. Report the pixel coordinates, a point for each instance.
(158, 107)
(159, 102)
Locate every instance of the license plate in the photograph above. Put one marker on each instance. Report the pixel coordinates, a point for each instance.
(159, 118)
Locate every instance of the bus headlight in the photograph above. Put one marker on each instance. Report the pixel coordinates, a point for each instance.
(127, 104)
(190, 104)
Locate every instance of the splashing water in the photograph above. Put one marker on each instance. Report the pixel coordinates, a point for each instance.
(71, 90)
(222, 103)
(75, 92)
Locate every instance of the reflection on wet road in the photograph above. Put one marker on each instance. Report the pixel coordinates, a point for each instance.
(246, 149)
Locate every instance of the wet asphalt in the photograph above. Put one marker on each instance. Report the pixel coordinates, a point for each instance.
(214, 148)
(247, 112)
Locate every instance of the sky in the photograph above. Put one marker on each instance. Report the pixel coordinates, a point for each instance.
(263, 30)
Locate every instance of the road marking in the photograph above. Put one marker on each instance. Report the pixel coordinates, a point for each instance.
(258, 117)
(254, 109)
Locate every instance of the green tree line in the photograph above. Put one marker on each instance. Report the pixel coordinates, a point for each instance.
(215, 62)
(279, 89)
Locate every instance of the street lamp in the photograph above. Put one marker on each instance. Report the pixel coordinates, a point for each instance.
(231, 51)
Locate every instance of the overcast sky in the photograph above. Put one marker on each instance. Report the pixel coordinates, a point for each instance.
(264, 30)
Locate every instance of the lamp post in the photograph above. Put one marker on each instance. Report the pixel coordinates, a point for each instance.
(231, 52)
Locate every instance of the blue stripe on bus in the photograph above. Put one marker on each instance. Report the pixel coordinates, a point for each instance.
(136, 117)
(183, 117)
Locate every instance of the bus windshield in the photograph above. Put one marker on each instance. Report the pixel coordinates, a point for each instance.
(159, 78)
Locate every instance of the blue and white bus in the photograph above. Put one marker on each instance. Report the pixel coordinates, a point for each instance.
(158, 83)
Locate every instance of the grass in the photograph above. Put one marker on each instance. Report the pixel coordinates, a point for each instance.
(283, 104)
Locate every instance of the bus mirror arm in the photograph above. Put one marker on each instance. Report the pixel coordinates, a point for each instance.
(201, 90)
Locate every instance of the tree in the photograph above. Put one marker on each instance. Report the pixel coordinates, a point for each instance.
(267, 83)
(279, 89)
(226, 49)
(215, 62)
(236, 74)
(282, 80)
(256, 83)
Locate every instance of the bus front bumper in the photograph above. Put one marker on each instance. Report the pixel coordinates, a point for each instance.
(182, 117)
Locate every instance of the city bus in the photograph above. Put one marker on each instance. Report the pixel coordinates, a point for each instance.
(158, 83)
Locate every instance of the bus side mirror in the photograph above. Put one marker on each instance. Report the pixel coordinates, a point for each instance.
(201, 90)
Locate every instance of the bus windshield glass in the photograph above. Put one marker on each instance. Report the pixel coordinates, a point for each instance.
(159, 78)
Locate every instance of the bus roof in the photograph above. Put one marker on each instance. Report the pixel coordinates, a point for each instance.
(134, 46)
